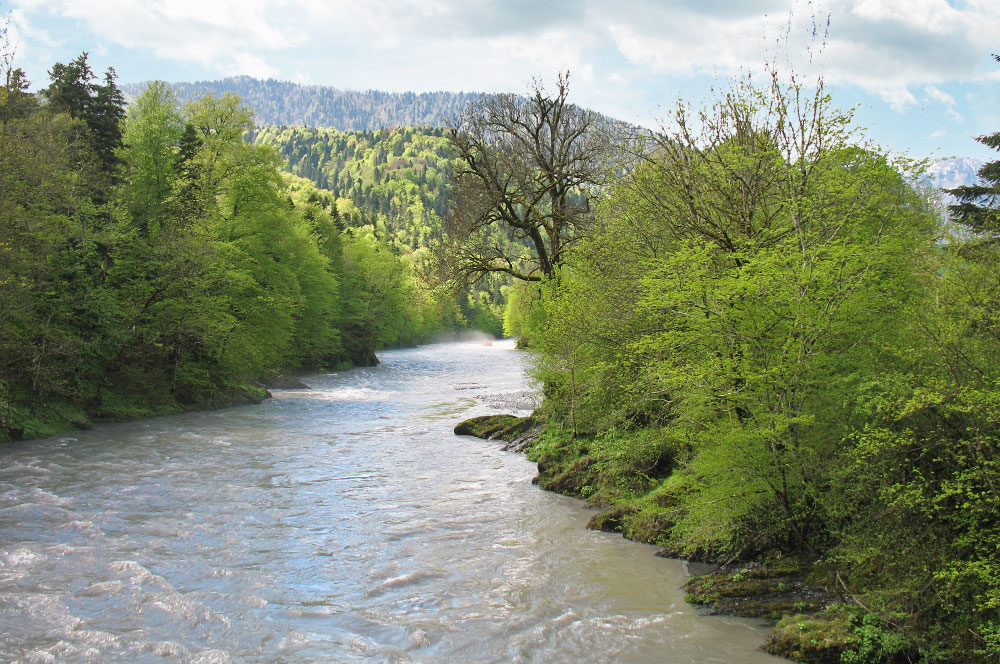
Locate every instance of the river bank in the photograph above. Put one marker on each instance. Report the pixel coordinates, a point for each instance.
(813, 622)
(38, 418)
(41, 419)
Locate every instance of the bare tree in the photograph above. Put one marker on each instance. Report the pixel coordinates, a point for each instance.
(529, 166)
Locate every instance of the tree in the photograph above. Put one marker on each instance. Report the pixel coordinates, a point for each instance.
(55, 311)
(153, 131)
(105, 121)
(748, 264)
(101, 107)
(977, 205)
(528, 168)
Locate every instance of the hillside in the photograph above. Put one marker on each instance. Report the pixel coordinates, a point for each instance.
(954, 172)
(291, 104)
(397, 180)
(948, 174)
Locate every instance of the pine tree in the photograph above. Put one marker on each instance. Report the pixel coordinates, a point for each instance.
(101, 107)
(104, 119)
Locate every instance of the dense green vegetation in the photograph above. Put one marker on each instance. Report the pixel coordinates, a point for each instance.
(154, 260)
(756, 341)
(398, 181)
(395, 185)
(291, 104)
(766, 347)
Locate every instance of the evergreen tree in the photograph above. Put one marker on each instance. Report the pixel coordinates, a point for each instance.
(70, 87)
(101, 107)
(106, 113)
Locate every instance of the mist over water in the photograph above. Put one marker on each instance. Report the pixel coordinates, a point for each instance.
(345, 523)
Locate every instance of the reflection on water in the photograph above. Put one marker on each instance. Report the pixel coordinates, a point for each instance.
(338, 524)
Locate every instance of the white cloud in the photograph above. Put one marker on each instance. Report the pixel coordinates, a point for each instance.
(23, 34)
(937, 94)
(886, 47)
(222, 33)
(890, 48)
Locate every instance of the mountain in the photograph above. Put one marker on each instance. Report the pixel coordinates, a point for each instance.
(294, 105)
(951, 173)
(948, 174)
(397, 180)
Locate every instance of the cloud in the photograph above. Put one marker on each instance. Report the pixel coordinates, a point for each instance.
(225, 34)
(885, 47)
(937, 94)
(890, 48)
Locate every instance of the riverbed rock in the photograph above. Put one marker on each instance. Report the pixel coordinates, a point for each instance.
(364, 357)
(495, 427)
(522, 442)
(612, 519)
(285, 383)
(820, 638)
(759, 590)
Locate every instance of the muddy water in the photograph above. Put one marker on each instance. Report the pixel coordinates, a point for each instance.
(344, 523)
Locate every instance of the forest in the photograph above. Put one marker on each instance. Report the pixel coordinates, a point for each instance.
(290, 104)
(758, 341)
(154, 260)
(765, 349)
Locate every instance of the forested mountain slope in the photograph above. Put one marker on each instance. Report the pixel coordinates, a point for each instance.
(292, 104)
(397, 180)
(393, 185)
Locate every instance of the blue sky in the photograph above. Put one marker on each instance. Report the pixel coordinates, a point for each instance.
(919, 71)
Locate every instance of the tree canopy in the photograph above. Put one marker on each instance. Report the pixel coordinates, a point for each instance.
(761, 350)
(152, 259)
(528, 167)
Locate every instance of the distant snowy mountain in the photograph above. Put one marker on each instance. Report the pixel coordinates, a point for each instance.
(948, 174)
(951, 173)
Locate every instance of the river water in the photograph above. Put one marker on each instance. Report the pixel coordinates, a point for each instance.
(344, 523)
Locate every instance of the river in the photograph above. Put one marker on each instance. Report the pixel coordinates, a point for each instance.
(344, 523)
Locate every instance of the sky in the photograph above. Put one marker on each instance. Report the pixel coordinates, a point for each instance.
(918, 72)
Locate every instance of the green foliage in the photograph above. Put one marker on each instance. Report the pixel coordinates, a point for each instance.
(73, 91)
(824, 638)
(396, 180)
(523, 313)
(393, 186)
(922, 473)
(152, 132)
(740, 275)
(54, 310)
(171, 268)
(875, 643)
(764, 303)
